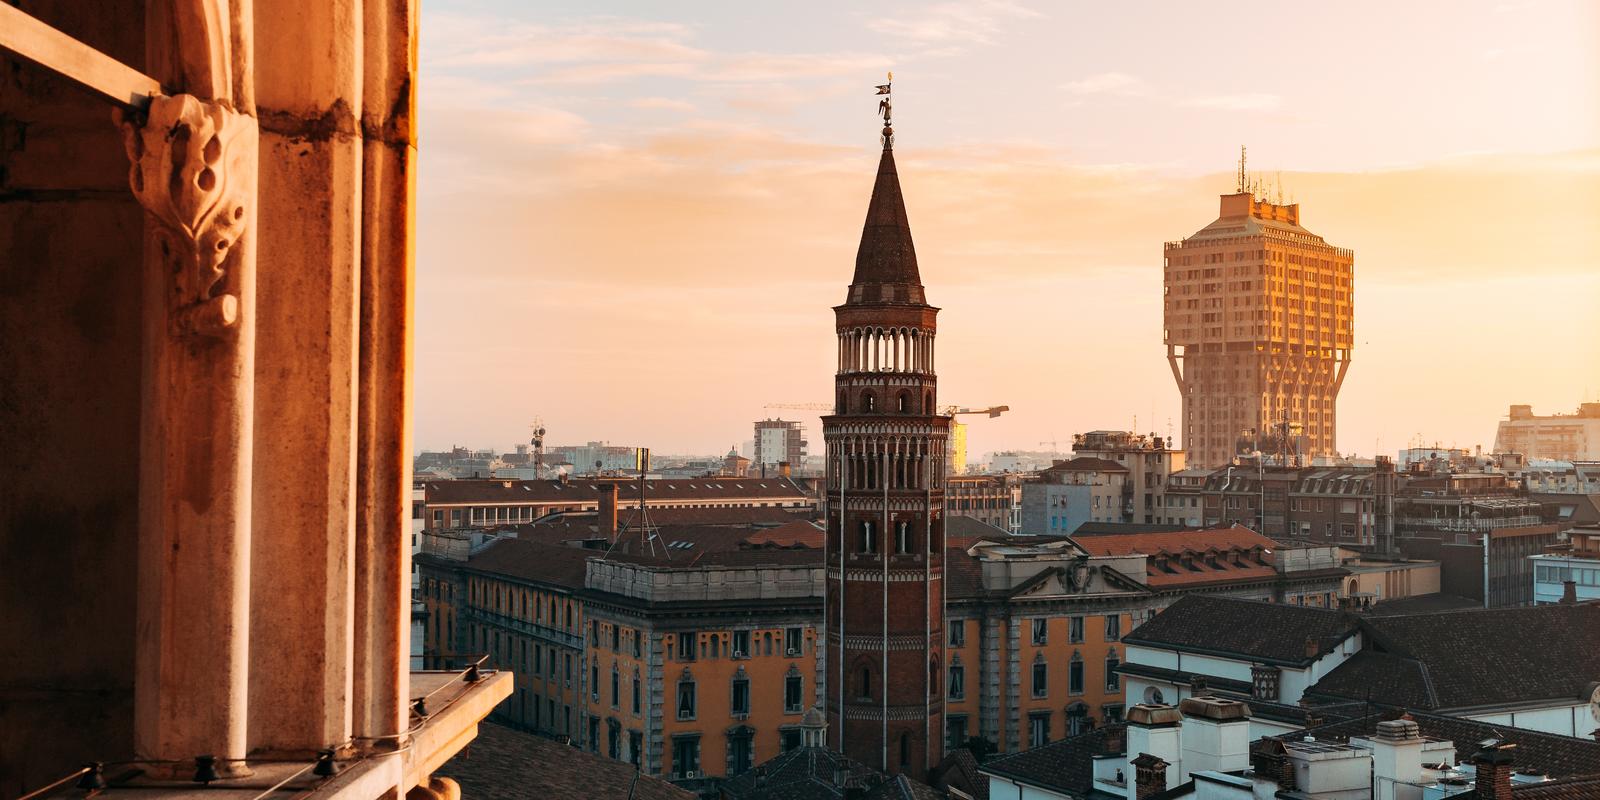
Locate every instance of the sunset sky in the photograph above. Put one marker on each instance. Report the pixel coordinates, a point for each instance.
(635, 217)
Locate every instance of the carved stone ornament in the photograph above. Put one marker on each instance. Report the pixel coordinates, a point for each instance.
(194, 171)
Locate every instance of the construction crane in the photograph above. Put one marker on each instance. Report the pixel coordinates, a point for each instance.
(992, 411)
(801, 406)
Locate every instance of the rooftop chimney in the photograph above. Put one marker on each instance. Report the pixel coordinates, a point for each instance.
(1264, 682)
(1154, 730)
(1149, 776)
(1493, 764)
(1569, 593)
(1397, 760)
(606, 523)
(783, 469)
(1216, 735)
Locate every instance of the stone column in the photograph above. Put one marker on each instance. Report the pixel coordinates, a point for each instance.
(194, 171)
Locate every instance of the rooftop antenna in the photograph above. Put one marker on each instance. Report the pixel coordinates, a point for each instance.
(538, 447)
(1241, 170)
(1278, 179)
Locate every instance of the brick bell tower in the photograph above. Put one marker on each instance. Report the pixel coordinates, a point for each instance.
(885, 496)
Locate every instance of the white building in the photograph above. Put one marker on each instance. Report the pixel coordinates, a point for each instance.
(1562, 437)
(1579, 564)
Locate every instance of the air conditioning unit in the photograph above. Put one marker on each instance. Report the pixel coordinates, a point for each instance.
(690, 774)
(794, 651)
(738, 654)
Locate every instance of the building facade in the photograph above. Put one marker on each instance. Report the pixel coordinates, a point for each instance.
(990, 499)
(456, 504)
(777, 442)
(886, 448)
(1073, 492)
(1554, 437)
(1259, 328)
(1574, 567)
(692, 668)
(1150, 460)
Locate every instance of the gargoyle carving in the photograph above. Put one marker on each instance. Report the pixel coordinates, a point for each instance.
(194, 171)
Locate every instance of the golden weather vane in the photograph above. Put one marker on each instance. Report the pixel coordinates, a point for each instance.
(885, 107)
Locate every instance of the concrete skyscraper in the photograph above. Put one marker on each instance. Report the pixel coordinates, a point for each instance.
(886, 445)
(1258, 327)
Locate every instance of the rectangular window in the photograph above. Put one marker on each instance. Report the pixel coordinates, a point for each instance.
(635, 748)
(686, 758)
(902, 537)
(958, 633)
(792, 641)
(616, 687)
(958, 682)
(868, 542)
(1040, 679)
(685, 699)
(636, 694)
(741, 644)
(1113, 627)
(1040, 630)
(594, 682)
(1113, 680)
(1038, 730)
(739, 753)
(741, 696)
(788, 739)
(792, 692)
(616, 638)
(1075, 677)
(686, 646)
(955, 731)
(1075, 629)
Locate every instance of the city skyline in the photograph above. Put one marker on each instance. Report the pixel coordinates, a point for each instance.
(648, 166)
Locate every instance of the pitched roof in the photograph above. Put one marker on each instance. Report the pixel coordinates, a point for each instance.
(963, 574)
(1270, 632)
(557, 564)
(503, 764)
(886, 261)
(1188, 567)
(1423, 603)
(1472, 658)
(800, 774)
(1065, 766)
(794, 534)
(966, 530)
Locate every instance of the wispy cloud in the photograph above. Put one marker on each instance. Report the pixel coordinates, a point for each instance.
(967, 23)
(1250, 101)
(1107, 83)
(662, 104)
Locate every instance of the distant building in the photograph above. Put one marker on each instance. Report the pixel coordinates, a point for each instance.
(1023, 460)
(1149, 459)
(992, 499)
(1559, 437)
(777, 442)
(1573, 567)
(594, 457)
(1071, 493)
(1259, 328)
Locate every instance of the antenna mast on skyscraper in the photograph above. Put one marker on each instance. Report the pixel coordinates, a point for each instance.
(1241, 170)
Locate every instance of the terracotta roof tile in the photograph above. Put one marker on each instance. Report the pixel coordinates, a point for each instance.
(1272, 632)
(503, 764)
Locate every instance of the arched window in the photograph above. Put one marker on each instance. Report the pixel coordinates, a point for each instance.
(905, 749)
(868, 542)
(842, 406)
(927, 402)
(869, 402)
(1078, 720)
(902, 537)
(933, 678)
(904, 403)
(864, 684)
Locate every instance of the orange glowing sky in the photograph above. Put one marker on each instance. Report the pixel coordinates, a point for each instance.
(634, 220)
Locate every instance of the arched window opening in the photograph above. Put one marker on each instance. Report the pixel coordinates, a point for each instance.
(905, 749)
(868, 540)
(869, 402)
(902, 537)
(864, 684)
(904, 403)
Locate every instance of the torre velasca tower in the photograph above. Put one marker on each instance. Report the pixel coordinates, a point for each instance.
(1258, 326)
(885, 494)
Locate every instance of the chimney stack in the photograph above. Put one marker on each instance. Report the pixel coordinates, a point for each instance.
(1569, 593)
(1493, 764)
(783, 469)
(1149, 776)
(1397, 759)
(606, 523)
(1216, 735)
(1155, 732)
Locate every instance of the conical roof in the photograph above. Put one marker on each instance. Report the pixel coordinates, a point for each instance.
(886, 262)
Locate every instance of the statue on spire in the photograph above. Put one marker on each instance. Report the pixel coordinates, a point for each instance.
(886, 110)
